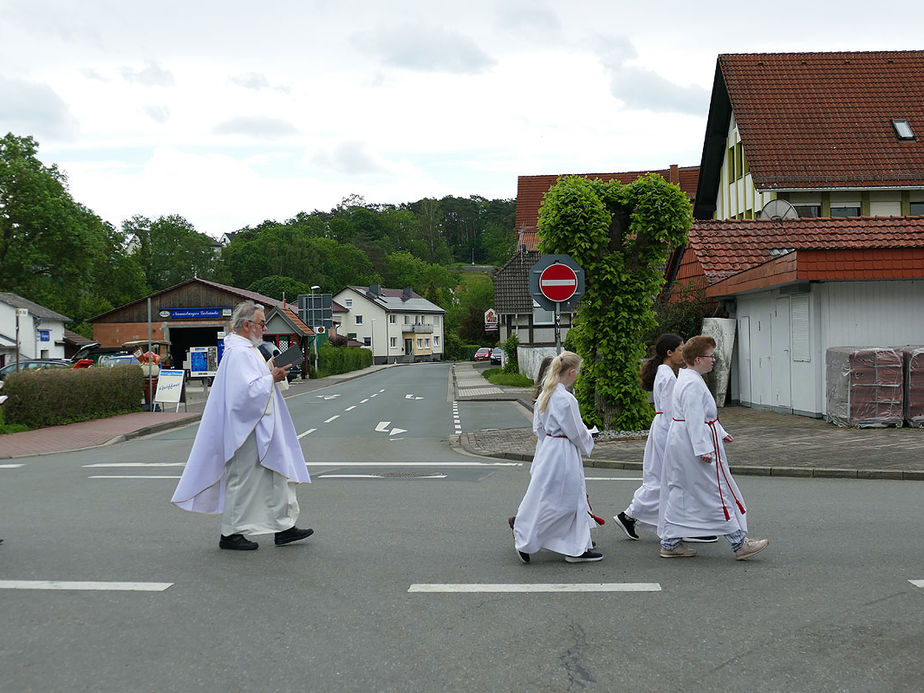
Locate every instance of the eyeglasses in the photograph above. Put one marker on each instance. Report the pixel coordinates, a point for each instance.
(261, 323)
(709, 356)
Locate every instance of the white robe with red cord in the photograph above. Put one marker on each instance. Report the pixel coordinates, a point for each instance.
(697, 498)
(244, 402)
(646, 502)
(554, 513)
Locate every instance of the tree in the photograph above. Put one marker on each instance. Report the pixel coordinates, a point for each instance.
(276, 287)
(170, 250)
(621, 235)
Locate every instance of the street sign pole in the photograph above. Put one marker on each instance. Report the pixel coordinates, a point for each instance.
(558, 348)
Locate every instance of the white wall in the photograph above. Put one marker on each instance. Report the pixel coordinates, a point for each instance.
(782, 339)
(29, 345)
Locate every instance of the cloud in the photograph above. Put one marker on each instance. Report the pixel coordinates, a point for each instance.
(90, 73)
(528, 18)
(151, 76)
(256, 126)
(350, 157)
(428, 49)
(256, 81)
(643, 89)
(159, 114)
(30, 108)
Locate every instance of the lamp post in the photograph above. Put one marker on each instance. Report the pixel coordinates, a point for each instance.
(314, 339)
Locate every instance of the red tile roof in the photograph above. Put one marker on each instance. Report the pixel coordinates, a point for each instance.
(726, 247)
(824, 120)
(531, 190)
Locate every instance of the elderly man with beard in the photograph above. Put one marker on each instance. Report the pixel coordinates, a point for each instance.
(246, 458)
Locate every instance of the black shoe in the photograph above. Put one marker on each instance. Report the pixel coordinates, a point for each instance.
(510, 521)
(701, 540)
(627, 524)
(292, 534)
(586, 557)
(524, 557)
(237, 542)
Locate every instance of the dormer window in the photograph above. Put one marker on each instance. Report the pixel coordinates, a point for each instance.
(902, 129)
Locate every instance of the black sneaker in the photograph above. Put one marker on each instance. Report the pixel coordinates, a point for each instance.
(628, 525)
(586, 557)
(511, 520)
(524, 557)
(701, 540)
(237, 542)
(292, 534)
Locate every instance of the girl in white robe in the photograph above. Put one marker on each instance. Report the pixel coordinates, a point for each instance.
(554, 514)
(701, 494)
(658, 375)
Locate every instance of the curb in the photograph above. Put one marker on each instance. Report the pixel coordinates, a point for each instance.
(741, 470)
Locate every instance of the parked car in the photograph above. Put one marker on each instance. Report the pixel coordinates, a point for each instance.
(497, 356)
(483, 354)
(34, 365)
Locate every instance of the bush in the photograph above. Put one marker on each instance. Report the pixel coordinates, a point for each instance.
(683, 315)
(510, 349)
(333, 360)
(496, 376)
(64, 395)
(457, 350)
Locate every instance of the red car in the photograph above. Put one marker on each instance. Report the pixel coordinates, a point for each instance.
(483, 354)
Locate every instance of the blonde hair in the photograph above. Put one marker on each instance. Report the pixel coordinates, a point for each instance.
(562, 363)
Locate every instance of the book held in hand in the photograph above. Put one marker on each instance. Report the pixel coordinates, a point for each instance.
(291, 355)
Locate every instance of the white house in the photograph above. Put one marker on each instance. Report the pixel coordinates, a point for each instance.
(808, 231)
(398, 325)
(41, 330)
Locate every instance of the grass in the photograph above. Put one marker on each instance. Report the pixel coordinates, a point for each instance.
(10, 428)
(496, 376)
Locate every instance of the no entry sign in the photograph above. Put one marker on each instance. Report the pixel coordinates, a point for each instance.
(558, 282)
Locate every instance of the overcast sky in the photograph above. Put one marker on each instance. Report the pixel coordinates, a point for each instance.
(230, 112)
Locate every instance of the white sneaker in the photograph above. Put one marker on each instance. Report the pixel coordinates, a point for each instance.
(750, 547)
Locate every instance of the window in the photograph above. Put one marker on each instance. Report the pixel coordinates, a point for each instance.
(739, 169)
(427, 342)
(407, 319)
(392, 319)
(436, 341)
(902, 129)
(916, 209)
(367, 341)
(541, 316)
(358, 319)
(808, 211)
(845, 211)
(436, 319)
(730, 157)
(351, 335)
(394, 342)
(420, 342)
(349, 303)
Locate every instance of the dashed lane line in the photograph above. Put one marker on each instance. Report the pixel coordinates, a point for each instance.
(479, 588)
(129, 476)
(308, 432)
(335, 416)
(10, 466)
(85, 586)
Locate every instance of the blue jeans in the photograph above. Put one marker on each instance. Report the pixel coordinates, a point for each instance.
(736, 539)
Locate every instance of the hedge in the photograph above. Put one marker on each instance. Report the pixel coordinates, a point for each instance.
(333, 360)
(63, 395)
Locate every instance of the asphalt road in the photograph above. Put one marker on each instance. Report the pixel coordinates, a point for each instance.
(828, 607)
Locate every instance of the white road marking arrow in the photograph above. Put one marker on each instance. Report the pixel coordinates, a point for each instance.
(396, 431)
(383, 426)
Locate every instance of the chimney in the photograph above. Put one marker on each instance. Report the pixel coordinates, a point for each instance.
(675, 174)
(375, 290)
(406, 293)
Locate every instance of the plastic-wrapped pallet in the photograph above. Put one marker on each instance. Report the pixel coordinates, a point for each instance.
(914, 385)
(864, 386)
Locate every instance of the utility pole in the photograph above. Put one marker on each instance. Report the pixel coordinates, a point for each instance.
(20, 313)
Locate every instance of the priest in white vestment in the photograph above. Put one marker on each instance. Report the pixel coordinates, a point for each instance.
(701, 494)
(246, 458)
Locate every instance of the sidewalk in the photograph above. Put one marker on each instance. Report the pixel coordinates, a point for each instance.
(766, 444)
(115, 429)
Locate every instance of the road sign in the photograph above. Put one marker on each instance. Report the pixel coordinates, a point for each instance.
(559, 288)
(558, 282)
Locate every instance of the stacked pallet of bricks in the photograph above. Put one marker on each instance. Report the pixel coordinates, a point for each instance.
(914, 385)
(865, 386)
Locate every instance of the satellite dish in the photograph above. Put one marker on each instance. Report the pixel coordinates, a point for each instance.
(319, 329)
(779, 209)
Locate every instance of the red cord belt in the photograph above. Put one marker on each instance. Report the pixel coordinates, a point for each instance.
(715, 444)
(549, 435)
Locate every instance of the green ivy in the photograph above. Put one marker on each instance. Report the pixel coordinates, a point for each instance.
(510, 349)
(621, 235)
